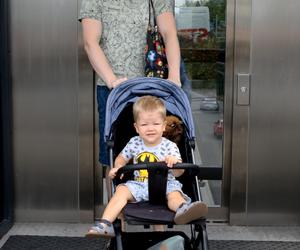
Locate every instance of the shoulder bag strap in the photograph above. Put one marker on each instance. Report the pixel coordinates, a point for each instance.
(151, 6)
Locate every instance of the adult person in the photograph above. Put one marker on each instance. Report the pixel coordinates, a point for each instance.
(114, 36)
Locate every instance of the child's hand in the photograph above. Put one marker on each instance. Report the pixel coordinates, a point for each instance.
(171, 160)
(112, 173)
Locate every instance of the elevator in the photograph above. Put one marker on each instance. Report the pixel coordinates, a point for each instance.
(252, 87)
(52, 113)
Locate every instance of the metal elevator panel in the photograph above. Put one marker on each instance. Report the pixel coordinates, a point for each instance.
(240, 118)
(273, 175)
(265, 157)
(52, 113)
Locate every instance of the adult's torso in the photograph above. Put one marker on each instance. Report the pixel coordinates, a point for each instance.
(123, 39)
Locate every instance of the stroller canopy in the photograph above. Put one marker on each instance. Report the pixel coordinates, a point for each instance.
(174, 98)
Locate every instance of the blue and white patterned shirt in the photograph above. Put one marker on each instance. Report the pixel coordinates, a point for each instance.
(140, 153)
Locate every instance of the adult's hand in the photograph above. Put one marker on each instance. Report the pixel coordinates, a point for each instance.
(176, 81)
(116, 82)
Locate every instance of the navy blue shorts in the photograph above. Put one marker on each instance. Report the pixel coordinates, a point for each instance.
(102, 95)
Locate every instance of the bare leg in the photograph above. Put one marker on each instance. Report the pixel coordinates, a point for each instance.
(121, 197)
(187, 212)
(122, 218)
(114, 207)
(175, 199)
(158, 228)
(108, 184)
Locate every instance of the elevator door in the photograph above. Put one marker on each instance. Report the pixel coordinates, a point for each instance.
(52, 98)
(265, 163)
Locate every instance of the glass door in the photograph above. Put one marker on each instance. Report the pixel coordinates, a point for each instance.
(201, 29)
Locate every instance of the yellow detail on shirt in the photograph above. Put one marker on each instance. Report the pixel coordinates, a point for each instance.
(145, 157)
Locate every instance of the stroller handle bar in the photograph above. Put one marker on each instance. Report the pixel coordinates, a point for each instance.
(204, 172)
(158, 166)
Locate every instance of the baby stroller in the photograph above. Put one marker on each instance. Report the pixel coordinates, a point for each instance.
(118, 130)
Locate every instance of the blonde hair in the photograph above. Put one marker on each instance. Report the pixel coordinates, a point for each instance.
(148, 103)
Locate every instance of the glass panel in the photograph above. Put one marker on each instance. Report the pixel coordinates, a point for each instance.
(201, 32)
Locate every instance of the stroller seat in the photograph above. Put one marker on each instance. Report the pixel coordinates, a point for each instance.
(154, 211)
(147, 214)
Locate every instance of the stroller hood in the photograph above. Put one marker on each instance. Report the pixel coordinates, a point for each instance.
(174, 98)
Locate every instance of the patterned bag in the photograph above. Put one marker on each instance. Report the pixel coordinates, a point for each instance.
(155, 55)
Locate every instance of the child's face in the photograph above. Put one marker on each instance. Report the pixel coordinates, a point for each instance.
(150, 126)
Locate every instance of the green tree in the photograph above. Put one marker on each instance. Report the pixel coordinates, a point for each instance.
(191, 3)
(217, 8)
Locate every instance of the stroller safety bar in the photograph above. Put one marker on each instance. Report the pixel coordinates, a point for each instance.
(210, 172)
(204, 172)
(157, 181)
(158, 166)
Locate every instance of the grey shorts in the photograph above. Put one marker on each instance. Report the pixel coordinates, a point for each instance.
(139, 190)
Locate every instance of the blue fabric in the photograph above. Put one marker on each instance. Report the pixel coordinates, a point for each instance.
(175, 99)
(102, 96)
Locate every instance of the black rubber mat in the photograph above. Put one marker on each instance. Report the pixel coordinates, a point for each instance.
(26, 242)
(252, 245)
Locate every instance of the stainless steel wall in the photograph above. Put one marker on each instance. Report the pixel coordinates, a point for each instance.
(52, 113)
(240, 123)
(274, 173)
(265, 169)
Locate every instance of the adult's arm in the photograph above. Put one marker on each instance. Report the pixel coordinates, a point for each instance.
(92, 30)
(167, 28)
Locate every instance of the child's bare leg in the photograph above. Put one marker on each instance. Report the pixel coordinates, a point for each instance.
(122, 218)
(175, 199)
(118, 201)
(158, 228)
(104, 227)
(185, 212)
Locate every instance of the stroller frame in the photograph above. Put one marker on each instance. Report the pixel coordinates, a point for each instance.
(157, 179)
(179, 106)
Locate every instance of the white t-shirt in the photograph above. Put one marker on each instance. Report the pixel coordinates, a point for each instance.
(140, 153)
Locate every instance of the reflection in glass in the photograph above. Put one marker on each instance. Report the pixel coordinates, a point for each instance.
(201, 32)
